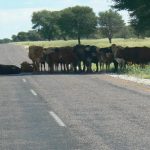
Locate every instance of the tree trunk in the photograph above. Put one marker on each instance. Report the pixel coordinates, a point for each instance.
(110, 40)
(79, 40)
(110, 37)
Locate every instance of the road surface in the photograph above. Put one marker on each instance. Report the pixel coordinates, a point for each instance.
(70, 112)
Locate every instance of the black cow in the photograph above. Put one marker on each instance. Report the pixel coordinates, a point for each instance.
(91, 56)
(87, 55)
(9, 69)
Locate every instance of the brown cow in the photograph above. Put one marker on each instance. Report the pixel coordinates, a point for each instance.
(137, 55)
(35, 54)
(118, 52)
(105, 57)
(67, 57)
(50, 57)
(134, 55)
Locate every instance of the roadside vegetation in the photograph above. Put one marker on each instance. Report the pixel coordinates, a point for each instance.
(137, 71)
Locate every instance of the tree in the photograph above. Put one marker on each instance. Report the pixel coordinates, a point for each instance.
(110, 23)
(139, 11)
(126, 32)
(15, 38)
(34, 35)
(46, 23)
(5, 40)
(77, 22)
(22, 36)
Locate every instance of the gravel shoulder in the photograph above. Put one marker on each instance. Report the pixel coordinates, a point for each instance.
(132, 78)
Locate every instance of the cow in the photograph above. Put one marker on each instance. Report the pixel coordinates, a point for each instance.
(52, 60)
(79, 50)
(118, 52)
(106, 56)
(67, 57)
(132, 55)
(87, 55)
(103, 54)
(35, 54)
(26, 67)
(91, 56)
(137, 55)
(47, 56)
(9, 69)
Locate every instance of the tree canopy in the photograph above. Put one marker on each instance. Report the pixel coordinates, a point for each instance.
(78, 21)
(46, 23)
(139, 11)
(110, 23)
(31, 35)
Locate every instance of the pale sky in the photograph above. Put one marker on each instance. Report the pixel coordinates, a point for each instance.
(15, 15)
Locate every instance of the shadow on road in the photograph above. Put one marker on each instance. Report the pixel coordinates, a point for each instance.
(56, 73)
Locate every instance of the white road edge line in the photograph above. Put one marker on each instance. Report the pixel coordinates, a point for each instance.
(33, 92)
(24, 80)
(57, 119)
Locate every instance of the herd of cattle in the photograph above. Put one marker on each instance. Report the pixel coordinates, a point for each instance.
(81, 57)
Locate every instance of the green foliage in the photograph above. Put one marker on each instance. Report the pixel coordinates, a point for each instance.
(31, 35)
(126, 32)
(78, 21)
(139, 11)
(15, 38)
(110, 23)
(5, 40)
(34, 35)
(138, 71)
(46, 22)
(22, 36)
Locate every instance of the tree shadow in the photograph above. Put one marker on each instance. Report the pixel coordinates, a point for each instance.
(58, 73)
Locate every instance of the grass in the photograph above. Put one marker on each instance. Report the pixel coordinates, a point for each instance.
(137, 71)
(133, 70)
(96, 42)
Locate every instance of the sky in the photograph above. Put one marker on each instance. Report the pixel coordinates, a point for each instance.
(15, 15)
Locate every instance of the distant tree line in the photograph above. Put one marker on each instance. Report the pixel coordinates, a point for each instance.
(76, 23)
(5, 40)
(31, 35)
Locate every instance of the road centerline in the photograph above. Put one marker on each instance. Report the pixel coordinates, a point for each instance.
(57, 119)
(24, 80)
(33, 92)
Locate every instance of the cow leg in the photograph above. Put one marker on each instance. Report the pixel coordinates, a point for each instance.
(100, 65)
(79, 65)
(97, 67)
(44, 67)
(34, 66)
(37, 66)
(83, 66)
(106, 66)
(64, 67)
(115, 65)
(49, 67)
(67, 66)
(41, 66)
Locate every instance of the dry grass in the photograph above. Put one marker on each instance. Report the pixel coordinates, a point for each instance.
(96, 42)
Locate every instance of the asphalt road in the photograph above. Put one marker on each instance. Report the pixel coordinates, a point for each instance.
(70, 112)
